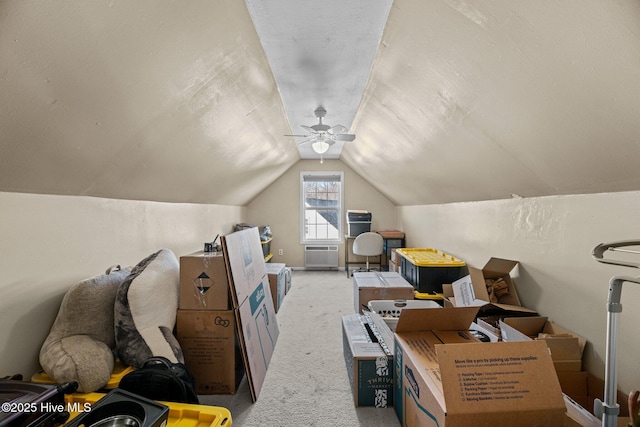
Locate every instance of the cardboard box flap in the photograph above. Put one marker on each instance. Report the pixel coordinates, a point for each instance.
(529, 327)
(553, 328)
(362, 339)
(498, 267)
(444, 319)
(500, 377)
(496, 308)
(564, 348)
(470, 291)
(539, 327)
(479, 287)
(456, 337)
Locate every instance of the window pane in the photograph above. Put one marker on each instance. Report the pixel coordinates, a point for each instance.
(321, 224)
(322, 194)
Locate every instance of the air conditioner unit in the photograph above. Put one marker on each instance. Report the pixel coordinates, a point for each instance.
(317, 256)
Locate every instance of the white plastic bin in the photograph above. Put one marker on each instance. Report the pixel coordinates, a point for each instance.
(390, 310)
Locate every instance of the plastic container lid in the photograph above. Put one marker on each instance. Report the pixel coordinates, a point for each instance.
(424, 295)
(427, 257)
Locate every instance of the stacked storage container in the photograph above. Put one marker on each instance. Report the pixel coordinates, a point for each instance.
(358, 222)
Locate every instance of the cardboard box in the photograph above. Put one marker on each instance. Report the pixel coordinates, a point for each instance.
(440, 381)
(595, 390)
(566, 347)
(204, 282)
(393, 267)
(276, 272)
(491, 324)
(574, 383)
(368, 354)
(211, 349)
(482, 333)
(577, 416)
(375, 285)
(394, 257)
(471, 290)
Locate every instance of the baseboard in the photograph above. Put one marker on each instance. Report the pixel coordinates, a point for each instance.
(318, 268)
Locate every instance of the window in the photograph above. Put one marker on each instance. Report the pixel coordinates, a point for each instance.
(321, 207)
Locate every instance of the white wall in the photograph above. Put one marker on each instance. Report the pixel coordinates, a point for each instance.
(552, 237)
(279, 207)
(48, 243)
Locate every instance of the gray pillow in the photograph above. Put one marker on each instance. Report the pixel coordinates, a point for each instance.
(145, 311)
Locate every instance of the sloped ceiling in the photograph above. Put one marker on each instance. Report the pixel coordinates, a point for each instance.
(477, 100)
(450, 100)
(153, 100)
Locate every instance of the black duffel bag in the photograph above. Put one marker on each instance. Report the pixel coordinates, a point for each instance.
(160, 379)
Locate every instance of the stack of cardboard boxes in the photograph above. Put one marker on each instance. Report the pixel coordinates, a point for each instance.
(394, 261)
(443, 374)
(223, 295)
(368, 342)
(206, 324)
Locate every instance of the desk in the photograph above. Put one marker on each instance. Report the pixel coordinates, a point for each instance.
(391, 240)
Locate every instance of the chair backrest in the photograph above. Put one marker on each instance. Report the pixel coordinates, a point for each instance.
(368, 244)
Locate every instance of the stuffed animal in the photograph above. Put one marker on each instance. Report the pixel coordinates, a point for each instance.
(145, 311)
(81, 341)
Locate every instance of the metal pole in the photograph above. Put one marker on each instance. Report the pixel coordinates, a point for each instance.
(611, 409)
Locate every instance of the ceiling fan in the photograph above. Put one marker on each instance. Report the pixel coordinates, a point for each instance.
(323, 136)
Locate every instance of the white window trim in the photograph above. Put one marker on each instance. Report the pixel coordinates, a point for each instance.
(339, 239)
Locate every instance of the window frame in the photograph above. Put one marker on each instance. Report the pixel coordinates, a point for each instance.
(303, 209)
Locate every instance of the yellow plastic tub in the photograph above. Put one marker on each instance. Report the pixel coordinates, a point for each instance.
(428, 269)
(180, 414)
(427, 257)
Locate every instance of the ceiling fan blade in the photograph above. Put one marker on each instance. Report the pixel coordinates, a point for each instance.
(344, 137)
(301, 136)
(338, 129)
(308, 128)
(307, 141)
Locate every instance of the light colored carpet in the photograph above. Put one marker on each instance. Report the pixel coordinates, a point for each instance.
(307, 382)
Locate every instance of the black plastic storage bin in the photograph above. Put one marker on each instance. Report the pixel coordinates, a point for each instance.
(428, 269)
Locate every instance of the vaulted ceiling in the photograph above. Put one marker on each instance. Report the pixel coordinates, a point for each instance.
(450, 100)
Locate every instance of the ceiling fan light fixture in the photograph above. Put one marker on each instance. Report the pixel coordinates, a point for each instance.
(320, 146)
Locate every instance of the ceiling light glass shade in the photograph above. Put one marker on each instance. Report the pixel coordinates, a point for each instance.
(320, 146)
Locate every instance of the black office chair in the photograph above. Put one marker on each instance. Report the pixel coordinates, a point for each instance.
(368, 244)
